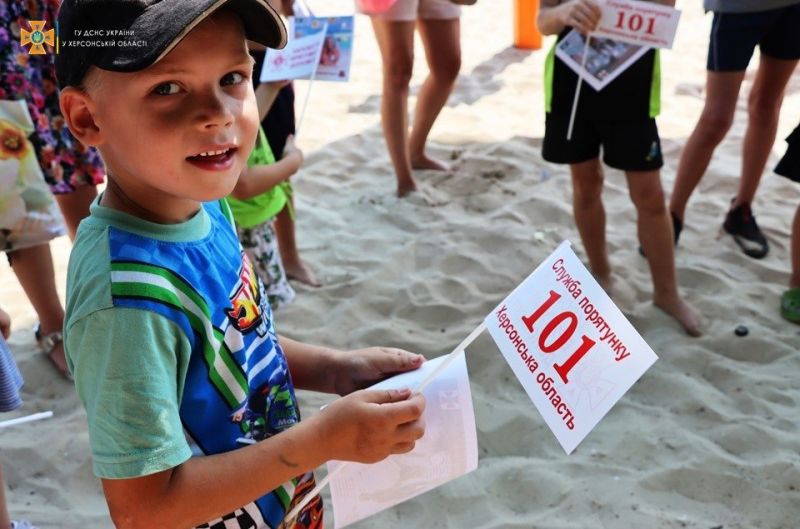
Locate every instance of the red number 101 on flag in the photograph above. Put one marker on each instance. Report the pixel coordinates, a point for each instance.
(558, 342)
(635, 22)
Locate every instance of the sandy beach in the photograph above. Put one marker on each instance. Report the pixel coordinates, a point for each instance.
(709, 438)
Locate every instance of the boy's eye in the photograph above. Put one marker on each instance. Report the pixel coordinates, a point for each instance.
(232, 78)
(167, 89)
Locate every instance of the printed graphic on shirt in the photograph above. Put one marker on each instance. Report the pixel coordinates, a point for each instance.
(237, 389)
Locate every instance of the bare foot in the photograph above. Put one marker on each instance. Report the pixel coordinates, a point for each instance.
(59, 360)
(607, 282)
(404, 189)
(302, 273)
(681, 311)
(424, 162)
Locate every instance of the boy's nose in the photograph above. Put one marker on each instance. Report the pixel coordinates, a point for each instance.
(212, 112)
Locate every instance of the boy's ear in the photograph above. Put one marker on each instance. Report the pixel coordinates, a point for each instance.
(78, 108)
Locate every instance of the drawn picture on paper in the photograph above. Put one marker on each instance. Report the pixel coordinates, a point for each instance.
(607, 58)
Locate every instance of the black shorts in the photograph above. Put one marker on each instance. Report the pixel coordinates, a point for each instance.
(631, 145)
(734, 37)
(789, 166)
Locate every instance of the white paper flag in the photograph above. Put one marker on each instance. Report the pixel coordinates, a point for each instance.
(572, 349)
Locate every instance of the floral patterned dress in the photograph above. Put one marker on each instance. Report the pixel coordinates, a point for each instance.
(65, 162)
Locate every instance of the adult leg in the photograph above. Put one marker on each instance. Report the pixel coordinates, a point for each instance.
(764, 106)
(722, 91)
(442, 41)
(34, 269)
(590, 217)
(74, 206)
(292, 263)
(396, 42)
(654, 228)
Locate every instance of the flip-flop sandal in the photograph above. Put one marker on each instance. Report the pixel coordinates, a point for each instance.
(790, 305)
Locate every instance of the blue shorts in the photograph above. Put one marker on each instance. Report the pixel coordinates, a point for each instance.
(734, 37)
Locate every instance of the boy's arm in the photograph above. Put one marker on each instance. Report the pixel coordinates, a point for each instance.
(554, 16)
(366, 426)
(342, 372)
(259, 179)
(204, 488)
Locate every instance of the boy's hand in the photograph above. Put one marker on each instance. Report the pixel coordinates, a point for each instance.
(364, 367)
(5, 323)
(370, 425)
(583, 15)
(292, 149)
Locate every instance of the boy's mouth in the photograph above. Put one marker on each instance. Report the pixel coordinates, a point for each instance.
(214, 160)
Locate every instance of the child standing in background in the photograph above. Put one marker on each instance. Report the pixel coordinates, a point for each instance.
(621, 120)
(278, 122)
(260, 194)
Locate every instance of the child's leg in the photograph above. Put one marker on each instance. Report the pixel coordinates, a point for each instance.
(5, 519)
(590, 217)
(261, 247)
(292, 263)
(654, 228)
(396, 42)
(794, 281)
(34, 269)
(442, 41)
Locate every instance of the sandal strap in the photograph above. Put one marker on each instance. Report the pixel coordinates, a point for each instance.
(49, 341)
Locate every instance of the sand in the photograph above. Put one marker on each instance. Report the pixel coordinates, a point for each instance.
(708, 438)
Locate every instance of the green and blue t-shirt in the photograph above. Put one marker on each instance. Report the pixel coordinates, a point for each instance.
(171, 341)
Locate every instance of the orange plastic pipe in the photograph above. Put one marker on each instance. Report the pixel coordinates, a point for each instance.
(526, 33)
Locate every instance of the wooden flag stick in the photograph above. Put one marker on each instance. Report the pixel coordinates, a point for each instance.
(578, 88)
(452, 356)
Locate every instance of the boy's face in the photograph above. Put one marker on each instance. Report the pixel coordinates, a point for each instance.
(180, 131)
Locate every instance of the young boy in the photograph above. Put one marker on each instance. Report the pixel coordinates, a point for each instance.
(168, 332)
(620, 119)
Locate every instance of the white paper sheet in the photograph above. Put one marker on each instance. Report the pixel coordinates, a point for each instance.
(448, 450)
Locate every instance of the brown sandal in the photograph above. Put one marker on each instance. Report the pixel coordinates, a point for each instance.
(47, 344)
